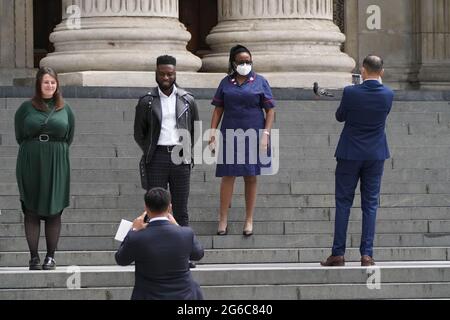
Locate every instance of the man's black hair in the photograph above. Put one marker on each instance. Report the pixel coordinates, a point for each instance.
(165, 59)
(373, 64)
(233, 52)
(157, 200)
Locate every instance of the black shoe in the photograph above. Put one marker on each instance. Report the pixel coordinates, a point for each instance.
(49, 264)
(35, 264)
(192, 265)
(222, 232)
(247, 233)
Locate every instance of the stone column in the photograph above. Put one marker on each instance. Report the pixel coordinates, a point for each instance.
(16, 40)
(290, 40)
(433, 24)
(120, 35)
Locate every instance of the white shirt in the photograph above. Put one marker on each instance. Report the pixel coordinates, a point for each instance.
(151, 220)
(158, 218)
(376, 79)
(169, 133)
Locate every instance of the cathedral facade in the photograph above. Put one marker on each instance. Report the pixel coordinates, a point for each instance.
(292, 41)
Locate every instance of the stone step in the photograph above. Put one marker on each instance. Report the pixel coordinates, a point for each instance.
(133, 189)
(248, 292)
(300, 153)
(300, 116)
(285, 140)
(212, 188)
(397, 128)
(240, 274)
(386, 188)
(93, 229)
(306, 127)
(397, 106)
(257, 241)
(323, 240)
(85, 139)
(317, 292)
(414, 175)
(91, 115)
(87, 163)
(105, 176)
(237, 215)
(282, 116)
(204, 104)
(328, 175)
(285, 162)
(104, 127)
(271, 201)
(227, 256)
(75, 151)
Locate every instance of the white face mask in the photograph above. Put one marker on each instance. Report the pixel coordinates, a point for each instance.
(244, 69)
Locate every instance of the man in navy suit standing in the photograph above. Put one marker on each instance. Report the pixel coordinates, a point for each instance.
(360, 155)
(161, 250)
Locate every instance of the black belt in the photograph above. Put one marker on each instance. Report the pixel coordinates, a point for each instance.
(47, 138)
(167, 149)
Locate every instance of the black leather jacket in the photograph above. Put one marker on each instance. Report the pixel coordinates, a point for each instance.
(147, 121)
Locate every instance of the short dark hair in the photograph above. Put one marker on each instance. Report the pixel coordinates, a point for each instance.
(373, 63)
(157, 200)
(165, 59)
(233, 52)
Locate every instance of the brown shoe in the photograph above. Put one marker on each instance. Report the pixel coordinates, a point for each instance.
(334, 261)
(367, 261)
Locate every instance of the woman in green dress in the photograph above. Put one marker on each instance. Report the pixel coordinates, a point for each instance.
(44, 129)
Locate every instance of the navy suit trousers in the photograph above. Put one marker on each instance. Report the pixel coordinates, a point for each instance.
(348, 173)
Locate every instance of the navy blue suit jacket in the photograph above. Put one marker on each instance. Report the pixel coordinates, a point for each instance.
(364, 108)
(161, 253)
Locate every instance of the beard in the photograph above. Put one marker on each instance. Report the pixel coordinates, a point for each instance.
(165, 85)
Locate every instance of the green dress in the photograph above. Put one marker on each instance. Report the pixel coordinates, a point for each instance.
(43, 168)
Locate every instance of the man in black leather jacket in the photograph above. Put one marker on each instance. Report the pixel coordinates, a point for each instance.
(164, 130)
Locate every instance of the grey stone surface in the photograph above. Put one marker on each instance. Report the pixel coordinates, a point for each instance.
(416, 97)
(91, 243)
(241, 256)
(238, 274)
(264, 292)
(294, 217)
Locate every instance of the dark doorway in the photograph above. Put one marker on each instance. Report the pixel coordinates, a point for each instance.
(199, 17)
(46, 15)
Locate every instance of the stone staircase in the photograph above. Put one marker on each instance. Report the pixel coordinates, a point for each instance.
(294, 218)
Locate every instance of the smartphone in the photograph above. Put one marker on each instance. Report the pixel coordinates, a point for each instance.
(356, 78)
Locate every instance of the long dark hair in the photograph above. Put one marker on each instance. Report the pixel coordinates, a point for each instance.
(233, 52)
(38, 101)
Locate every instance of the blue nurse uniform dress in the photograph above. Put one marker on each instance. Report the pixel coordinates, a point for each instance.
(243, 109)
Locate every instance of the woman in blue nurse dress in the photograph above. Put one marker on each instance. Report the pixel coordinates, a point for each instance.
(244, 103)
